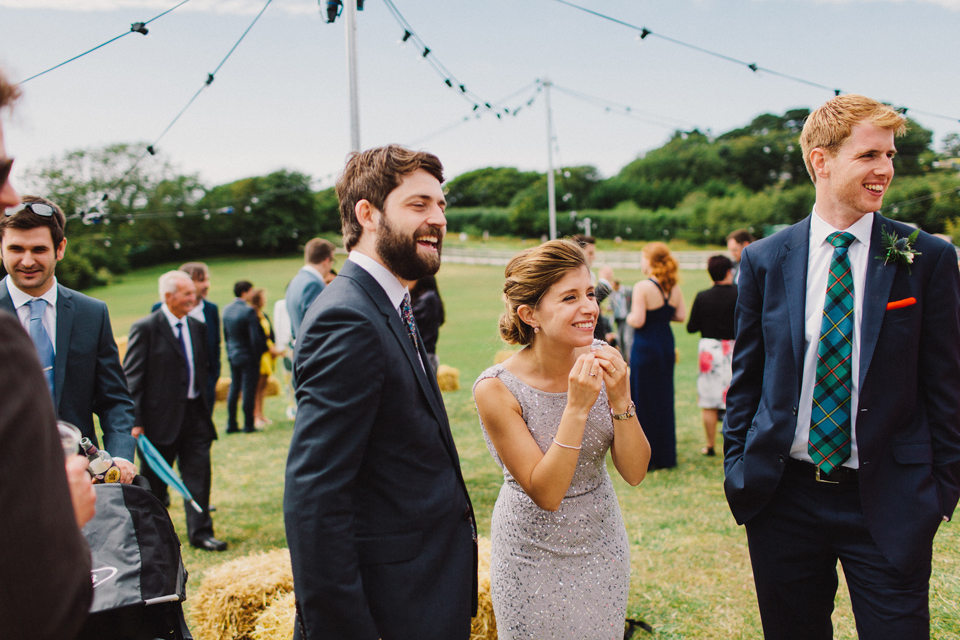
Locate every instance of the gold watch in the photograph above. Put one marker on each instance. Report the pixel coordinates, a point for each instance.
(631, 411)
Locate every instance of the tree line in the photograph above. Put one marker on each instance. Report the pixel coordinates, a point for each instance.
(124, 213)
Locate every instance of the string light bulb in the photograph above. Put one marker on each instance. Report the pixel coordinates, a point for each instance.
(139, 27)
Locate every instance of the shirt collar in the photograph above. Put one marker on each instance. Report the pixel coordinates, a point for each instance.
(19, 298)
(172, 319)
(820, 229)
(384, 277)
(312, 270)
(197, 312)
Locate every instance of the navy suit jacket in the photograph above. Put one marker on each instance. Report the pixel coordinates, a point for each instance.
(908, 419)
(301, 292)
(243, 333)
(377, 515)
(88, 378)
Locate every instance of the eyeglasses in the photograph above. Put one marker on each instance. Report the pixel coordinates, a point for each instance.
(5, 166)
(38, 208)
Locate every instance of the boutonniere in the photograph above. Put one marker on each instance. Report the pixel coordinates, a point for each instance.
(897, 250)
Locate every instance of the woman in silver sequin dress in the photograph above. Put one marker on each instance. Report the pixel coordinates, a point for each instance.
(560, 560)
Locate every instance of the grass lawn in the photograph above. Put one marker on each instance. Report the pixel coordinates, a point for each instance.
(691, 574)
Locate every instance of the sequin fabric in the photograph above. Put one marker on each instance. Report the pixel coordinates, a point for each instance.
(563, 574)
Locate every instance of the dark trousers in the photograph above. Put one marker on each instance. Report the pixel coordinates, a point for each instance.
(212, 390)
(795, 543)
(192, 454)
(244, 377)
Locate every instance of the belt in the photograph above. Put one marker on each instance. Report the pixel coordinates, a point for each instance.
(809, 470)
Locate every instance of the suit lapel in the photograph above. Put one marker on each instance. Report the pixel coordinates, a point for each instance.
(877, 286)
(65, 313)
(5, 302)
(167, 332)
(794, 266)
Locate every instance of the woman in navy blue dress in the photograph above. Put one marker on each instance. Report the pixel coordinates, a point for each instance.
(657, 302)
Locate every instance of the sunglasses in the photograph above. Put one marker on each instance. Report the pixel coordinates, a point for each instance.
(5, 166)
(38, 208)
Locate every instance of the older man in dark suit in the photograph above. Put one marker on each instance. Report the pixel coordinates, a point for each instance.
(378, 519)
(246, 343)
(71, 331)
(843, 417)
(166, 367)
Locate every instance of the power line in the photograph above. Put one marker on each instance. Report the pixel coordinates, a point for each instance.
(136, 27)
(644, 33)
(932, 196)
(151, 148)
(626, 110)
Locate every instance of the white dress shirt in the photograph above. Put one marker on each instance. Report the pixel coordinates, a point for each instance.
(20, 300)
(818, 269)
(192, 391)
(197, 312)
(386, 279)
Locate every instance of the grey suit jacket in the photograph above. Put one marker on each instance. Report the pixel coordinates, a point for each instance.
(88, 378)
(301, 292)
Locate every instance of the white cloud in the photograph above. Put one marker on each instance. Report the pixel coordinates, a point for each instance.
(232, 7)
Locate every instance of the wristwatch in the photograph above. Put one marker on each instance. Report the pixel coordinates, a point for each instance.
(631, 411)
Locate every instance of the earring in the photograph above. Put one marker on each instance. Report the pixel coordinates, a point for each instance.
(536, 329)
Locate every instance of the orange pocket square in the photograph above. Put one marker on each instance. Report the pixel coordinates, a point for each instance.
(900, 304)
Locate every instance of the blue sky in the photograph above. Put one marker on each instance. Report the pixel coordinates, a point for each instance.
(281, 100)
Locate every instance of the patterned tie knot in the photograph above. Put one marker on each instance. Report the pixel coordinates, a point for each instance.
(841, 239)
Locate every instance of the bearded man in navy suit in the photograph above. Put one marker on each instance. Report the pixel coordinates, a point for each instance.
(379, 523)
(843, 417)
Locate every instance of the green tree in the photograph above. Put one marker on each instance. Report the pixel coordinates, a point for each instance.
(490, 187)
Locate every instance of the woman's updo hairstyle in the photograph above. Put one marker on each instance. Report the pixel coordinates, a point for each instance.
(663, 266)
(529, 275)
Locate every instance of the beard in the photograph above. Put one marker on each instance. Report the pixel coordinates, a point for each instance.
(400, 254)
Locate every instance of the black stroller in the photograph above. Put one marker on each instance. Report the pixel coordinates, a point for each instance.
(139, 581)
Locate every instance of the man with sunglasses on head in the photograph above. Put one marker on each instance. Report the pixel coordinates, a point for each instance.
(70, 330)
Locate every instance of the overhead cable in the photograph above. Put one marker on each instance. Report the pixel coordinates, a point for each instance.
(645, 32)
(136, 27)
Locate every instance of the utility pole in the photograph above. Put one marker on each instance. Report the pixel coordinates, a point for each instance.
(551, 186)
(351, 25)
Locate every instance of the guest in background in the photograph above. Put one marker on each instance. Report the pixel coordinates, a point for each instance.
(737, 241)
(429, 313)
(258, 298)
(657, 301)
(209, 314)
(712, 315)
(246, 343)
(318, 259)
(166, 367)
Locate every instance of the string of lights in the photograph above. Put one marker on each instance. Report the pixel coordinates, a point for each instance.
(467, 118)
(644, 33)
(646, 116)
(136, 27)
(151, 148)
(409, 35)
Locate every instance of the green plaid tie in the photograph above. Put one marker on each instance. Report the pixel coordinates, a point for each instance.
(830, 419)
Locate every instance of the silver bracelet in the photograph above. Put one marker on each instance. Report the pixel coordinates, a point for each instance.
(566, 446)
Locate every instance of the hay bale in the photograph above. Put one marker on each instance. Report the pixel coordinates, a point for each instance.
(484, 625)
(448, 378)
(223, 389)
(277, 620)
(273, 387)
(233, 594)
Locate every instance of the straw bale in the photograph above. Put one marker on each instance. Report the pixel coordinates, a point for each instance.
(121, 345)
(273, 387)
(448, 378)
(223, 388)
(277, 620)
(484, 625)
(234, 593)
